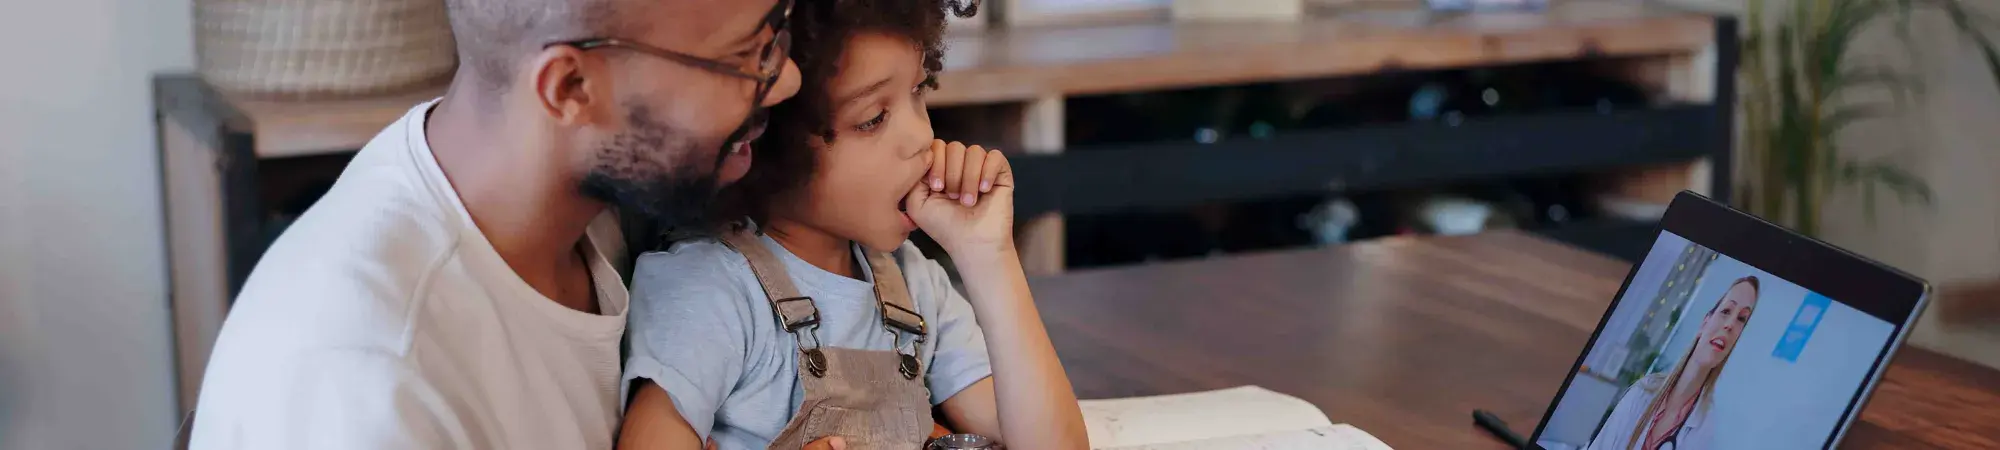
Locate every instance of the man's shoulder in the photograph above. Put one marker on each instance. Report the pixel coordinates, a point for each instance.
(355, 264)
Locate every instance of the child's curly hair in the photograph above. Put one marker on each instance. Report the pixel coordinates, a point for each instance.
(784, 157)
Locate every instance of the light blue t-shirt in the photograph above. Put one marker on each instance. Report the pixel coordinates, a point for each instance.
(702, 329)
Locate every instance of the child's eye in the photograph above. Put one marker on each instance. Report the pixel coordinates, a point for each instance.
(875, 122)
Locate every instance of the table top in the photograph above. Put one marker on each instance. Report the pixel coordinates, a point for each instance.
(1014, 64)
(999, 64)
(1405, 337)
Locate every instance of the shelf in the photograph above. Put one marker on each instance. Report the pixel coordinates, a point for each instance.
(1141, 176)
(1002, 65)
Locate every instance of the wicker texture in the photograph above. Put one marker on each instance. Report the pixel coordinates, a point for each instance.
(322, 47)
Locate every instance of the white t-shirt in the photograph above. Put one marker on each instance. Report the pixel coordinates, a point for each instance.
(384, 319)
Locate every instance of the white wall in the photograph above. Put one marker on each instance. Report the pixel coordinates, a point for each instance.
(84, 347)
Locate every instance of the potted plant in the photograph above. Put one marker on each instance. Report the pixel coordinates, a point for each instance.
(1798, 84)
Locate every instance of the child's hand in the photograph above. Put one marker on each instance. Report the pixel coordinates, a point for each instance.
(966, 202)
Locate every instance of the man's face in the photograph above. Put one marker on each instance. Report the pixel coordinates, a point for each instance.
(680, 133)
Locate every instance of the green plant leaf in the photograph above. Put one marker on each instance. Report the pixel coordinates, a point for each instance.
(1905, 32)
(1868, 202)
(1838, 119)
(1907, 187)
(1845, 20)
(1790, 111)
(1904, 87)
(1972, 25)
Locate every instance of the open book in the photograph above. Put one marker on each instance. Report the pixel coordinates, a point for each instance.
(1247, 417)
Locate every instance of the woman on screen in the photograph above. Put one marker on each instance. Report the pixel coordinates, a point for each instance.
(1668, 410)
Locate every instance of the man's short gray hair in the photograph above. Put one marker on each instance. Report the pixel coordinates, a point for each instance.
(493, 35)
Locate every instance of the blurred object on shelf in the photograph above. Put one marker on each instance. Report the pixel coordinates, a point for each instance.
(1487, 5)
(1330, 221)
(1642, 193)
(322, 48)
(1017, 13)
(1448, 210)
(1457, 216)
(1239, 9)
(977, 14)
(1318, 5)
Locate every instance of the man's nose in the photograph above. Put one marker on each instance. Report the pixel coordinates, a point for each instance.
(786, 86)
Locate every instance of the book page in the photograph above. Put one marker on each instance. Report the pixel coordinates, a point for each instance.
(1240, 411)
(1337, 437)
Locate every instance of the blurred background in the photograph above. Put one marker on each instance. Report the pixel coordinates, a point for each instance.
(150, 148)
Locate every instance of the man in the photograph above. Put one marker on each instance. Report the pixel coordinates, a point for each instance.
(455, 288)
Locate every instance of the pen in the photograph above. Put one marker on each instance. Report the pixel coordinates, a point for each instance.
(1492, 424)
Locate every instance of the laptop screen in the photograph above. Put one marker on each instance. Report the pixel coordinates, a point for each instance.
(1703, 351)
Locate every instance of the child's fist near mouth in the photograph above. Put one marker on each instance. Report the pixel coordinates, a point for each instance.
(966, 201)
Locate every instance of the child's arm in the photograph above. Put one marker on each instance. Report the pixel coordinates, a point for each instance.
(651, 422)
(1028, 403)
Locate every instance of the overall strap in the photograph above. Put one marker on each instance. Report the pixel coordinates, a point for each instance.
(795, 312)
(899, 312)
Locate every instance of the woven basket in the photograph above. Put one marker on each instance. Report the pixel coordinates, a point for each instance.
(317, 48)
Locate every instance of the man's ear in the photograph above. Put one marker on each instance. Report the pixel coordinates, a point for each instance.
(568, 84)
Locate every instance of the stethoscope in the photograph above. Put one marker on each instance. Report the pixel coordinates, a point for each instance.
(1673, 438)
(1671, 442)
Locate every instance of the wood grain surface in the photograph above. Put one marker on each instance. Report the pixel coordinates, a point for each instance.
(1405, 337)
(1013, 64)
(998, 65)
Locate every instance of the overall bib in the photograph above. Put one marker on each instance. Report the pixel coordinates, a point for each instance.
(875, 399)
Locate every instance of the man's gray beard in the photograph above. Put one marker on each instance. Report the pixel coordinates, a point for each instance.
(650, 196)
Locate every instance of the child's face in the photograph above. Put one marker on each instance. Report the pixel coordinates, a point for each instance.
(880, 148)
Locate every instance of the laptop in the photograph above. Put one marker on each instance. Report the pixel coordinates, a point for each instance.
(1733, 333)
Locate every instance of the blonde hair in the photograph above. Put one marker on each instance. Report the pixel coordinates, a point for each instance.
(1673, 375)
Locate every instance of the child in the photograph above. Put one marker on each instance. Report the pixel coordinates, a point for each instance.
(815, 319)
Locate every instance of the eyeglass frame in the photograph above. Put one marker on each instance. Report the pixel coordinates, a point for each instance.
(774, 53)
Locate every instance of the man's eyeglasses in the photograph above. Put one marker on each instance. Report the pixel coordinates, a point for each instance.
(770, 62)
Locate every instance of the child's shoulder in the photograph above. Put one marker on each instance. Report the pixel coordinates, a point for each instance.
(690, 264)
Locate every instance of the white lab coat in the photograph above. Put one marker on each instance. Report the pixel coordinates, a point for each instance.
(1631, 409)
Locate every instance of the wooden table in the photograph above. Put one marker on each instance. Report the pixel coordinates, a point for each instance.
(1405, 337)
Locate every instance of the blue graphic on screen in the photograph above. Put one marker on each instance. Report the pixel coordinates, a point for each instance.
(1685, 315)
(1801, 328)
